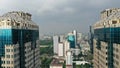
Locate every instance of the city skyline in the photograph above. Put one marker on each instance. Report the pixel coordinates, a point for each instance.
(54, 16)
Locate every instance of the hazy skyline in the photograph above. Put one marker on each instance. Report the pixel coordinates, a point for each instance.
(59, 16)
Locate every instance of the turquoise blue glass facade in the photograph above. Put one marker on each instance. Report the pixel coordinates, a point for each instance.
(71, 39)
(5, 39)
(109, 35)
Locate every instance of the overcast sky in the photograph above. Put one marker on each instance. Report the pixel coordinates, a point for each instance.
(60, 16)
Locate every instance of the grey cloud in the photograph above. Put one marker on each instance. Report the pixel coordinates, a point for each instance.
(59, 16)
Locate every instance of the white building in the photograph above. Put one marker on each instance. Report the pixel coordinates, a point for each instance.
(66, 47)
(11, 58)
(55, 44)
(75, 34)
(69, 58)
(60, 49)
(80, 62)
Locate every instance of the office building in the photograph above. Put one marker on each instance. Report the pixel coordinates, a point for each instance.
(71, 40)
(107, 39)
(17, 28)
(55, 44)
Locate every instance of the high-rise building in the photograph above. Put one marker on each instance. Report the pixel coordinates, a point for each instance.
(61, 38)
(107, 39)
(17, 28)
(71, 40)
(69, 58)
(91, 40)
(60, 49)
(55, 44)
(66, 47)
(75, 35)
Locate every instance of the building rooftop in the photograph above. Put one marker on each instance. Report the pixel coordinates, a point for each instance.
(18, 18)
(106, 22)
(69, 66)
(56, 62)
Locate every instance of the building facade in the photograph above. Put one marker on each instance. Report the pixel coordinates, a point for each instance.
(69, 58)
(91, 39)
(17, 28)
(55, 44)
(75, 36)
(71, 39)
(61, 49)
(66, 47)
(11, 58)
(106, 39)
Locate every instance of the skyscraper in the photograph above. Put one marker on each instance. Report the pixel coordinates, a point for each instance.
(61, 38)
(107, 39)
(75, 35)
(17, 28)
(66, 47)
(60, 49)
(71, 40)
(91, 40)
(69, 59)
(55, 44)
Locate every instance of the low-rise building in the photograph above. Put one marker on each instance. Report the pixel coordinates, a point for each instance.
(69, 66)
(56, 64)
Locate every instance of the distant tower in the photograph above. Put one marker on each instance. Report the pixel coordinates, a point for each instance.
(91, 39)
(79, 36)
(66, 47)
(75, 35)
(60, 49)
(55, 44)
(61, 38)
(71, 40)
(69, 58)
